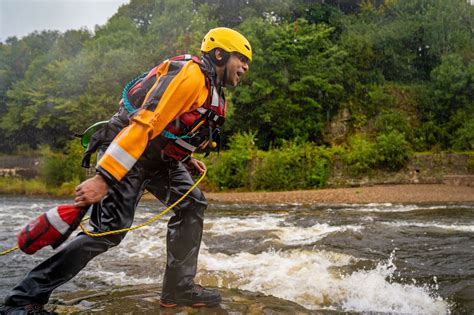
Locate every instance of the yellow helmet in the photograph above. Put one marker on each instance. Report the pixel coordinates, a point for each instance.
(228, 40)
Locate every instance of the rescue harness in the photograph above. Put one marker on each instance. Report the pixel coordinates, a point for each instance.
(191, 131)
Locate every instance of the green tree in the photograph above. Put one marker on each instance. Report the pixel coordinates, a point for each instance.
(295, 84)
(452, 87)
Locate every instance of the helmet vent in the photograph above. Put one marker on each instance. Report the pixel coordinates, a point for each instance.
(212, 39)
(248, 48)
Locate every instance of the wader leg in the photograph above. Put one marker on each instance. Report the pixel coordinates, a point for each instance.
(115, 211)
(184, 227)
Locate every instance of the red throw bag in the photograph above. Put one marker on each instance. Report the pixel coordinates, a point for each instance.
(50, 228)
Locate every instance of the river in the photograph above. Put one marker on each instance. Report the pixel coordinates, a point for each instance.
(383, 258)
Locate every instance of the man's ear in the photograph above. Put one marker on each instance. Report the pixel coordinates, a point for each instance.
(219, 54)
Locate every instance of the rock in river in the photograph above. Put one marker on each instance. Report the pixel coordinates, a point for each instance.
(144, 299)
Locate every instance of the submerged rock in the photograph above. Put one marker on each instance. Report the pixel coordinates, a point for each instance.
(144, 299)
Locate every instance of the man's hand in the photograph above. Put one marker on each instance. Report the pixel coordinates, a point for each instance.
(195, 167)
(91, 191)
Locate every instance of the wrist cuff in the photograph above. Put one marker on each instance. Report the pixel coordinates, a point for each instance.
(109, 179)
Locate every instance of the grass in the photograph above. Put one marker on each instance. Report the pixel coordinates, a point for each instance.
(19, 186)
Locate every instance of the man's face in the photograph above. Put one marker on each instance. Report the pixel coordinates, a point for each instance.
(237, 65)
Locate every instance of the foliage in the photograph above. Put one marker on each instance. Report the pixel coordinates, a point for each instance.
(452, 88)
(280, 85)
(463, 139)
(390, 151)
(231, 169)
(310, 59)
(390, 121)
(63, 168)
(294, 166)
(361, 155)
(393, 150)
(15, 185)
(290, 167)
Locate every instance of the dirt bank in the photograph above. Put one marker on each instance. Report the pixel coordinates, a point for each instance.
(436, 193)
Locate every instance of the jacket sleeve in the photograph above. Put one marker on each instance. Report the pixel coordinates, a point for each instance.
(177, 90)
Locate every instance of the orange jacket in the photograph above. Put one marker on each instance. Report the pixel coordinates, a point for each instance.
(178, 89)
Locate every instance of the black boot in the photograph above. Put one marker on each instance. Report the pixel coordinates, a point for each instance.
(197, 296)
(30, 309)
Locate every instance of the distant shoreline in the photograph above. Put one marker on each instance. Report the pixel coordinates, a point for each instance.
(411, 193)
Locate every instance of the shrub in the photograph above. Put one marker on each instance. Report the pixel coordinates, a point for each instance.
(393, 150)
(279, 169)
(231, 169)
(360, 156)
(61, 167)
(67, 188)
(391, 120)
(292, 167)
(430, 135)
(464, 137)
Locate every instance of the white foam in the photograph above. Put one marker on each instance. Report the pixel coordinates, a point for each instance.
(286, 233)
(388, 207)
(307, 278)
(146, 242)
(369, 291)
(295, 235)
(231, 225)
(451, 227)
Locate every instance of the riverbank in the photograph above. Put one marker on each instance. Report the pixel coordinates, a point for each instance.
(419, 193)
(404, 193)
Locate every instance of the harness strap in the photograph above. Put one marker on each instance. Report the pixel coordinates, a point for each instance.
(185, 145)
(169, 135)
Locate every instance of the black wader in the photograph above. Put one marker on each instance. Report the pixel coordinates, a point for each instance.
(167, 181)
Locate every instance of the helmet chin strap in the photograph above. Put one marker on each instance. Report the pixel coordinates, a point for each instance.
(223, 62)
(224, 79)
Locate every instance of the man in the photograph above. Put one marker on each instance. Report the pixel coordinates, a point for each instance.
(177, 107)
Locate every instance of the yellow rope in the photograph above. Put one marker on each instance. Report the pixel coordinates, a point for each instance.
(147, 222)
(9, 250)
